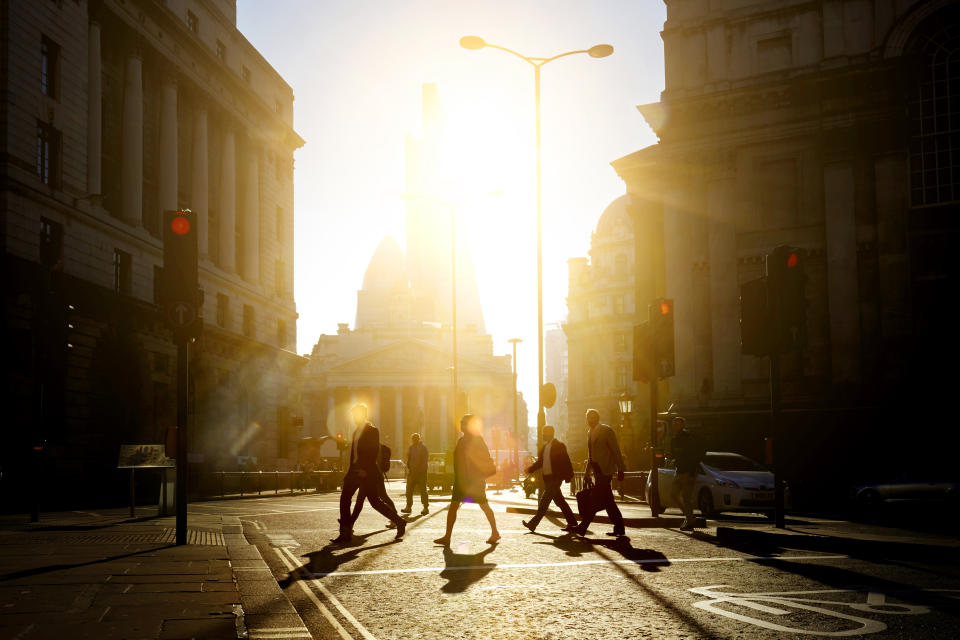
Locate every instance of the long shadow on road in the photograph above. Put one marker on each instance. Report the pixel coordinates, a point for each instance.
(464, 569)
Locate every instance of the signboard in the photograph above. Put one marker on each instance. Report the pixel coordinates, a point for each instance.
(144, 456)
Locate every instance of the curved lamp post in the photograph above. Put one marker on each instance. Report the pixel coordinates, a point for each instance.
(596, 51)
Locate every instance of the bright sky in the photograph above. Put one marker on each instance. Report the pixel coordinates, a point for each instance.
(356, 68)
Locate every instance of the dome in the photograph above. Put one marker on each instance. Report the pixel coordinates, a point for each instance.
(615, 214)
(386, 270)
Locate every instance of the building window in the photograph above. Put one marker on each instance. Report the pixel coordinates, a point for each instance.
(620, 342)
(620, 265)
(48, 153)
(223, 310)
(245, 73)
(618, 304)
(620, 376)
(51, 242)
(279, 228)
(122, 271)
(249, 321)
(935, 116)
(49, 66)
(161, 363)
(281, 333)
(221, 51)
(192, 22)
(280, 274)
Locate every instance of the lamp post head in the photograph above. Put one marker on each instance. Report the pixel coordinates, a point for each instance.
(476, 42)
(596, 51)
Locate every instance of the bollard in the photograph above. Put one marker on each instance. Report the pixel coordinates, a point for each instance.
(259, 482)
(241, 484)
(276, 484)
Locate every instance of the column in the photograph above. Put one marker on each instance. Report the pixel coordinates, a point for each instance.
(842, 282)
(200, 198)
(228, 202)
(131, 170)
(331, 413)
(724, 290)
(167, 178)
(679, 281)
(398, 412)
(251, 217)
(421, 407)
(94, 111)
(376, 416)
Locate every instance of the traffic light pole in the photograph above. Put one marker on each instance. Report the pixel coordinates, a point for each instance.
(654, 400)
(183, 379)
(775, 431)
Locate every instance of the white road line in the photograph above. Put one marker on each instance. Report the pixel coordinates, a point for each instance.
(576, 563)
(326, 592)
(316, 601)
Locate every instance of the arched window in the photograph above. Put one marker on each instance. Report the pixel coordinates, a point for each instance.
(620, 265)
(935, 111)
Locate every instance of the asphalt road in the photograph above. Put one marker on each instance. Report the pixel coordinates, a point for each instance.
(653, 583)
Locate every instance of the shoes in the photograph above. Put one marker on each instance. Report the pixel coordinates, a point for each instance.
(425, 511)
(445, 541)
(345, 536)
(686, 525)
(570, 528)
(494, 538)
(391, 525)
(580, 530)
(529, 525)
(617, 533)
(406, 510)
(401, 528)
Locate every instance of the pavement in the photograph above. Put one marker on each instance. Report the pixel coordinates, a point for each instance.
(263, 567)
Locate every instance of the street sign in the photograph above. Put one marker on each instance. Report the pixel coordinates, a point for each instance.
(182, 314)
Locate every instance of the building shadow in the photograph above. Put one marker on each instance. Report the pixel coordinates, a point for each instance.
(464, 569)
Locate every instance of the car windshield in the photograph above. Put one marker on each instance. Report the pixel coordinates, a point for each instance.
(731, 462)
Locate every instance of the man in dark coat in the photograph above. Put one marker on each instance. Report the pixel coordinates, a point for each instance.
(688, 452)
(417, 457)
(365, 473)
(557, 469)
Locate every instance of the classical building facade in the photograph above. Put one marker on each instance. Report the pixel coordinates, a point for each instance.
(398, 358)
(114, 111)
(828, 126)
(599, 335)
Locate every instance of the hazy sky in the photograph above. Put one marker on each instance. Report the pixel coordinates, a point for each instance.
(356, 68)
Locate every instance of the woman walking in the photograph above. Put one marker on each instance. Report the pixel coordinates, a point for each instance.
(472, 466)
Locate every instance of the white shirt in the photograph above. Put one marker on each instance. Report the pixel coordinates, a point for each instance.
(356, 449)
(547, 468)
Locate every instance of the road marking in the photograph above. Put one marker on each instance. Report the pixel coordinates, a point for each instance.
(291, 567)
(807, 601)
(326, 592)
(577, 563)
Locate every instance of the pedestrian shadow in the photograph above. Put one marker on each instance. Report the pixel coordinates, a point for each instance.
(324, 561)
(648, 559)
(464, 569)
(570, 545)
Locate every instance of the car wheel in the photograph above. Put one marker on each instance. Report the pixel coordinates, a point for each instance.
(705, 502)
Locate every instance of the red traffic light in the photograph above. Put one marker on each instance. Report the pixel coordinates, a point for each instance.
(180, 225)
(792, 260)
(665, 308)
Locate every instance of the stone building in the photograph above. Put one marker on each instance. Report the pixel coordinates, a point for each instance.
(556, 368)
(599, 331)
(112, 112)
(398, 358)
(828, 126)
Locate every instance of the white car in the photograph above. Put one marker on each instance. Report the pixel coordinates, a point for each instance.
(726, 482)
(398, 470)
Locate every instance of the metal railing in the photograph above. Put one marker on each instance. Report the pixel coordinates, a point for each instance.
(634, 484)
(212, 484)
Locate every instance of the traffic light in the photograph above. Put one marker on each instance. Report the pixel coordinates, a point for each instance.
(642, 358)
(661, 325)
(754, 325)
(786, 298)
(181, 298)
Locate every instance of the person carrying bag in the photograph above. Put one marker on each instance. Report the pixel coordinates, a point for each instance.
(605, 459)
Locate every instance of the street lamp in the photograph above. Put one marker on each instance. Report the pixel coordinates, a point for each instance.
(453, 205)
(516, 427)
(626, 408)
(596, 51)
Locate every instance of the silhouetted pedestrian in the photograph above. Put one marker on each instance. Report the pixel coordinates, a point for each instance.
(383, 459)
(364, 473)
(688, 453)
(557, 469)
(604, 459)
(472, 466)
(417, 474)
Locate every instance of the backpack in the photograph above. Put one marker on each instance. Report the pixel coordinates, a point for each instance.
(385, 458)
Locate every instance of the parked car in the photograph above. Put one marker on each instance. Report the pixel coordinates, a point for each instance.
(908, 488)
(726, 482)
(397, 470)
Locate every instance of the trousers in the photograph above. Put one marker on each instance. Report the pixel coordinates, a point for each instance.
(414, 480)
(552, 492)
(605, 491)
(373, 490)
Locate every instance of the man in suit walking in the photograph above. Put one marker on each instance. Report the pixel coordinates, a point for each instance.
(364, 473)
(605, 458)
(557, 469)
(417, 456)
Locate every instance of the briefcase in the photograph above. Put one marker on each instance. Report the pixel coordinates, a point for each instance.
(589, 500)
